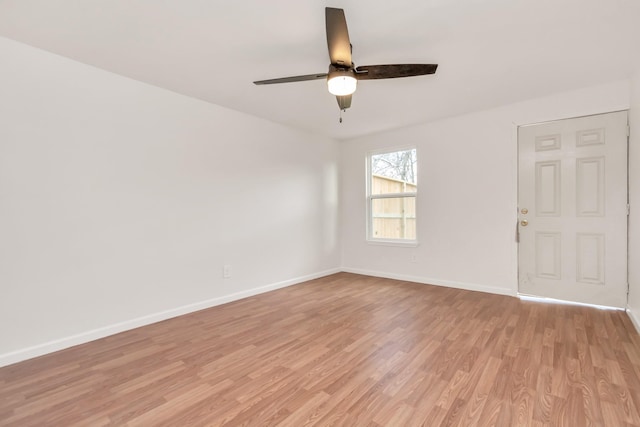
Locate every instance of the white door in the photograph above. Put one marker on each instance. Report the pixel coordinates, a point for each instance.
(572, 209)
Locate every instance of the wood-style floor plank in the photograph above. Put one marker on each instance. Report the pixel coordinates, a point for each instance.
(344, 350)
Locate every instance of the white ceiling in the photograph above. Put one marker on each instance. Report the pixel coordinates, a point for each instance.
(490, 52)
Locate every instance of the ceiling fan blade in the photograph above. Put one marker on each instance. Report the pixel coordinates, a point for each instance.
(338, 37)
(371, 72)
(344, 101)
(292, 79)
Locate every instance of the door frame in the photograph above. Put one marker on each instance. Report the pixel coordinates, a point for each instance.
(516, 288)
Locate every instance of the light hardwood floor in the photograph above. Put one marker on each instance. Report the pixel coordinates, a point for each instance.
(344, 350)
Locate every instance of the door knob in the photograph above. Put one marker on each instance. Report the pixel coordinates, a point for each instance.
(524, 223)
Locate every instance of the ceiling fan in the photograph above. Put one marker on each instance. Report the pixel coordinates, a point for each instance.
(343, 75)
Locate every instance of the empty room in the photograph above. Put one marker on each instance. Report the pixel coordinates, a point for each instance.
(441, 226)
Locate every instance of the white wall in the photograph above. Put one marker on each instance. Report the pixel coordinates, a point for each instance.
(467, 202)
(120, 203)
(634, 201)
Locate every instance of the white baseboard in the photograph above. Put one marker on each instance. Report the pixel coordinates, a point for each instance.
(84, 337)
(436, 282)
(635, 318)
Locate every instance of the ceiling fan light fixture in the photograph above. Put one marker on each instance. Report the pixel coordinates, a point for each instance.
(342, 82)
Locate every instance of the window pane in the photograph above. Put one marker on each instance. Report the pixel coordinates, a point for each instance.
(394, 172)
(394, 218)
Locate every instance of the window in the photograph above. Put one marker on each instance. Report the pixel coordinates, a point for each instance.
(392, 189)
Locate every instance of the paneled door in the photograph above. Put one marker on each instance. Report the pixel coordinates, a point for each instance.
(572, 209)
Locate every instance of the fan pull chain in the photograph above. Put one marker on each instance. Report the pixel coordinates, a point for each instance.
(341, 115)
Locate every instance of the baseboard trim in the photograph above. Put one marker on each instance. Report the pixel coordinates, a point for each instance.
(429, 281)
(85, 337)
(634, 318)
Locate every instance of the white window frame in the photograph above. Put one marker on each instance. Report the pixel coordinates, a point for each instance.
(370, 197)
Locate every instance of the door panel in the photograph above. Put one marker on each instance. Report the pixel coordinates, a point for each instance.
(590, 192)
(548, 188)
(572, 204)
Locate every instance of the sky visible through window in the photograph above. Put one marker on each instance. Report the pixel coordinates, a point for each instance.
(400, 165)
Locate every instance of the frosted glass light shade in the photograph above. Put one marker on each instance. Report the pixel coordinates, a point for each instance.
(342, 85)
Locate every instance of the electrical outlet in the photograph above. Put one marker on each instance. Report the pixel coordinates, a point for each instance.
(414, 257)
(226, 271)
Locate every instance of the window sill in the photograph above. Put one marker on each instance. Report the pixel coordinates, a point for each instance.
(398, 243)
